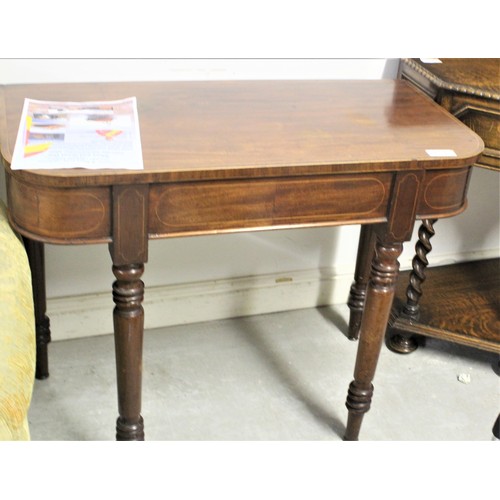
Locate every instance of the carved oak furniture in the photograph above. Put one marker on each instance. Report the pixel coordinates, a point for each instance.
(470, 90)
(225, 157)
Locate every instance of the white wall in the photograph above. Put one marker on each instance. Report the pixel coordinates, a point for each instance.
(202, 278)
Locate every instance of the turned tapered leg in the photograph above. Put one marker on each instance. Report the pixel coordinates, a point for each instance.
(36, 257)
(128, 317)
(357, 294)
(400, 341)
(379, 297)
(129, 252)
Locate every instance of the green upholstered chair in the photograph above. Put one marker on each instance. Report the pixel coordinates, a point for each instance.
(17, 334)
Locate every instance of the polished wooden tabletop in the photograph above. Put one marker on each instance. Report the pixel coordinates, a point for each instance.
(199, 130)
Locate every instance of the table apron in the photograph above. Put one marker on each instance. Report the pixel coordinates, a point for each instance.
(85, 214)
(266, 203)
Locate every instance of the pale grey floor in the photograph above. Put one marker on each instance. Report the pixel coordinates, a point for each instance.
(280, 376)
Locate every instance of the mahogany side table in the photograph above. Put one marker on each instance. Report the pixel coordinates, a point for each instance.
(225, 157)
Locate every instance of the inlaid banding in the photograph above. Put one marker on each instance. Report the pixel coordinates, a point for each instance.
(61, 214)
(226, 205)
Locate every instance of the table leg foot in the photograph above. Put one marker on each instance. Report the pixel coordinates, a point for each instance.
(129, 431)
(402, 344)
(358, 403)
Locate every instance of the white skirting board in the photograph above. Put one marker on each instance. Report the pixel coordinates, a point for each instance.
(89, 315)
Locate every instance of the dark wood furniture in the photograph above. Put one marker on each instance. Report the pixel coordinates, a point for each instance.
(470, 90)
(467, 88)
(461, 304)
(239, 156)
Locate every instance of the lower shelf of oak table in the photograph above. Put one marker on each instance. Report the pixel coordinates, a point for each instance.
(460, 303)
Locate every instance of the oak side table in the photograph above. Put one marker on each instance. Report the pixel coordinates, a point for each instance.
(467, 312)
